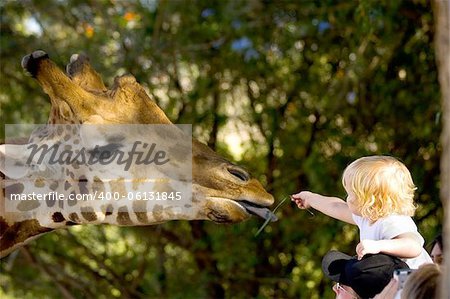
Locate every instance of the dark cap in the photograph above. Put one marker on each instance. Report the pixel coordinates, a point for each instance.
(367, 277)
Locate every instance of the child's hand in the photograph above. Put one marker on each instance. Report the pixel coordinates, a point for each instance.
(367, 247)
(301, 199)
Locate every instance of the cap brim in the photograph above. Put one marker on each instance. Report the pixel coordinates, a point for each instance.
(333, 264)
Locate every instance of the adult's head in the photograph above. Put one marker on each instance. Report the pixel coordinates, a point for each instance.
(366, 277)
(422, 283)
(437, 249)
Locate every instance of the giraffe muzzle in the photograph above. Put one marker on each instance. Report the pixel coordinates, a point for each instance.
(256, 210)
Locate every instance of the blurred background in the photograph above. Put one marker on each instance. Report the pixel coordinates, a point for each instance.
(291, 90)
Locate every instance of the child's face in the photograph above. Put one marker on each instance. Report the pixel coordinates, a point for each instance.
(351, 199)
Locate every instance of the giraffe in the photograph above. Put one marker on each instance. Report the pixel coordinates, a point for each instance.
(82, 106)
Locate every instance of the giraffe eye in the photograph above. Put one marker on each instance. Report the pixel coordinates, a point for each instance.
(240, 173)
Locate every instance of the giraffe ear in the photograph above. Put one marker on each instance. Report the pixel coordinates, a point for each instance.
(13, 160)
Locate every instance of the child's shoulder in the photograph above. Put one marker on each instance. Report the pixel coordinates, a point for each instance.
(397, 220)
(386, 219)
(397, 223)
(397, 217)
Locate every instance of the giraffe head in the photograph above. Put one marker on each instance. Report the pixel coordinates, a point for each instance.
(221, 190)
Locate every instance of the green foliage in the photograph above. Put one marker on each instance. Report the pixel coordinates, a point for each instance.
(304, 86)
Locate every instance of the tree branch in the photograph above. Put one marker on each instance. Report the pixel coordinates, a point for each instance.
(43, 268)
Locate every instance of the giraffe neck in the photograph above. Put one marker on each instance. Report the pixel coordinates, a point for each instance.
(59, 204)
(28, 221)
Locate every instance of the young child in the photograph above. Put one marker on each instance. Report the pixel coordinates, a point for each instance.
(380, 194)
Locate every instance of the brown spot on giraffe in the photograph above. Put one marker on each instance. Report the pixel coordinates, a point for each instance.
(74, 217)
(140, 209)
(39, 182)
(50, 202)
(58, 217)
(14, 189)
(123, 216)
(67, 185)
(158, 211)
(72, 201)
(98, 185)
(28, 205)
(54, 185)
(88, 213)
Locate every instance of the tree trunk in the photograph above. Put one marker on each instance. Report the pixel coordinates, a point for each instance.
(442, 44)
(212, 142)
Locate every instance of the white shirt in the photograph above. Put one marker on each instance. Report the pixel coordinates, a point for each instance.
(390, 227)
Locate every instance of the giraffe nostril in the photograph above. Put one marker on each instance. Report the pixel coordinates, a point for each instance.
(239, 173)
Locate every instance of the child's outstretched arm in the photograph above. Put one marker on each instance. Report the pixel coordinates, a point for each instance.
(331, 206)
(403, 246)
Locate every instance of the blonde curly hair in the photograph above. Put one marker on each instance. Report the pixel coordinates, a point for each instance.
(382, 185)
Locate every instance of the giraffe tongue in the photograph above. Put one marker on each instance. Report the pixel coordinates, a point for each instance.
(259, 211)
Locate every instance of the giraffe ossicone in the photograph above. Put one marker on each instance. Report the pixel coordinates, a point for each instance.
(90, 123)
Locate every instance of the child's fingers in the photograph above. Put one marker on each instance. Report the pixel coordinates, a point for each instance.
(360, 250)
(300, 202)
(295, 198)
(361, 255)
